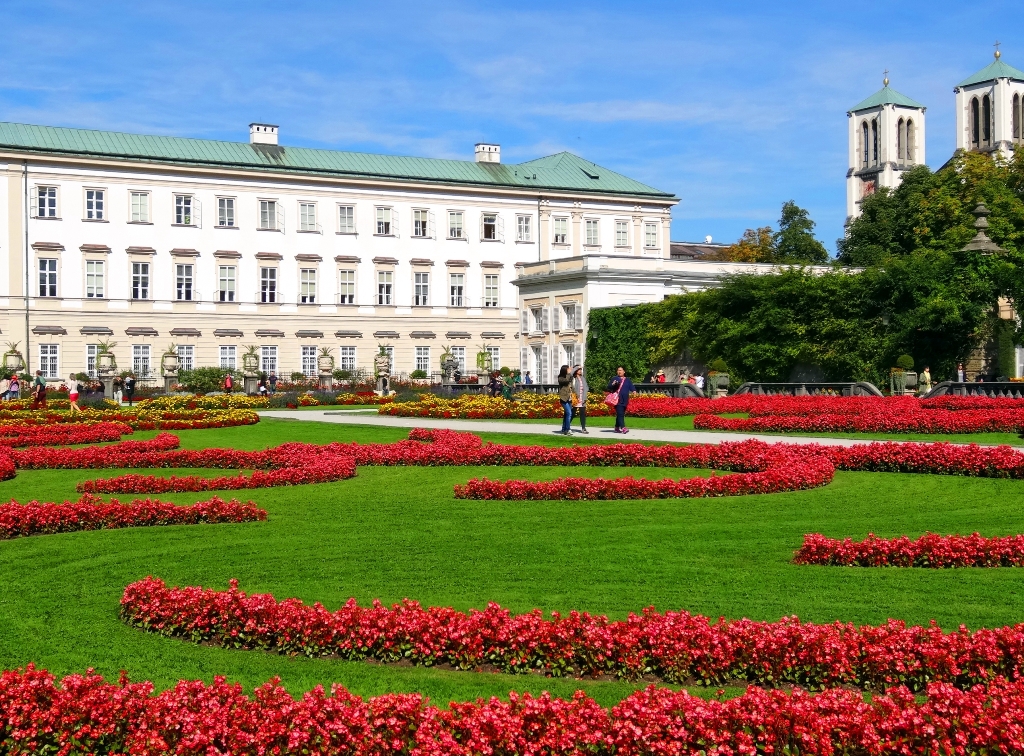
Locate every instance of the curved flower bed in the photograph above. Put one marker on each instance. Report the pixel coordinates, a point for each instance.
(83, 713)
(881, 421)
(138, 418)
(92, 513)
(51, 435)
(677, 647)
(930, 550)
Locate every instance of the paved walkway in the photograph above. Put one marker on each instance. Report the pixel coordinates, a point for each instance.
(360, 417)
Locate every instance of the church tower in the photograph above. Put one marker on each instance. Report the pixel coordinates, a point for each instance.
(886, 138)
(990, 109)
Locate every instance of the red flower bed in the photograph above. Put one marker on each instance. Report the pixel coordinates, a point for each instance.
(57, 435)
(678, 647)
(930, 550)
(85, 714)
(92, 513)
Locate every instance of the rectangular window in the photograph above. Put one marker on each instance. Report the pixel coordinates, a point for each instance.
(650, 235)
(91, 350)
(489, 227)
(570, 354)
(495, 353)
(455, 224)
(459, 353)
(48, 361)
(268, 359)
(621, 233)
(268, 214)
(561, 227)
(593, 232)
(421, 289)
(347, 354)
(226, 212)
(569, 317)
(538, 319)
(524, 228)
(307, 217)
(226, 283)
(227, 357)
(309, 361)
(186, 357)
(94, 279)
(423, 358)
(183, 282)
(47, 277)
(307, 285)
(140, 360)
(457, 288)
(384, 221)
(94, 204)
(346, 219)
(420, 223)
(490, 290)
(140, 207)
(140, 280)
(268, 285)
(346, 287)
(384, 284)
(183, 209)
(46, 202)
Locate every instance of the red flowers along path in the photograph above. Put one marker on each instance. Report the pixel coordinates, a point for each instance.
(930, 550)
(676, 647)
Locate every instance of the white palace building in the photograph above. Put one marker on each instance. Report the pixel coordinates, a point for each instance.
(214, 246)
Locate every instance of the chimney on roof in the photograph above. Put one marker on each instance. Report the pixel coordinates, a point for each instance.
(262, 133)
(488, 153)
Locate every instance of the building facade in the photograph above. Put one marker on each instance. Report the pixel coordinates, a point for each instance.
(217, 246)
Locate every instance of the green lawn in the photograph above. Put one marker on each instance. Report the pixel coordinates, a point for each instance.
(392, 533)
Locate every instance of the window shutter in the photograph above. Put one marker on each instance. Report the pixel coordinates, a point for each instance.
(197, 213)
(394, 222)
(524, 324)
(430, 225)
(542, 376)
(579, 317)
(481, 226)
(499, 228)
(524, 360)
(545, 319)
(556, 312)
(280, 217)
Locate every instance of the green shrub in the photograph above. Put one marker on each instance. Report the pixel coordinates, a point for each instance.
(298, 377)
(341, 375)
(203, 380)
(905, 362)
(418, 374)
(718, 366)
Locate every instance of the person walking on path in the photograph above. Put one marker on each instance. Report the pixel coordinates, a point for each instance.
(38, 391)
(118, 390)
(565, 397)
(926, 381)
(494, 386)
(579, 390)
(14, 390)
(622, 386)
(229, 383)
(129, 388)
(527, 379)
(5, 386)
(73, 389)
(272, 382)
(508, 385)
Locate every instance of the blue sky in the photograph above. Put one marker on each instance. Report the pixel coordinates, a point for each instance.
(734, 107)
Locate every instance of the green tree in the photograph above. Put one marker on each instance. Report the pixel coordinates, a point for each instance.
(794, 242)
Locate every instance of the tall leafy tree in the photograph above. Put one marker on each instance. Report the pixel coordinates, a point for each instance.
(794, 242)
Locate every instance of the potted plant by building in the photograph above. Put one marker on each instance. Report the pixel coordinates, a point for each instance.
(449, 364)
(718, 377)
(484, 363)
(13, 359)
(105, 361)
(325, 361)
(169, 360)
(251, 360)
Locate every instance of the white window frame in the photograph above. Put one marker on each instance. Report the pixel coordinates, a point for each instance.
(650, 235)
(138, 207)
(456, 224)
(307, 285)
(228, 357)
(621, 233)
(95, 204)
(308, 218)
(49, 277)
(268, 358)
(459, 353)
(227, 283)
(422, 223)
(492, 289)
(46, 202)
(524, 228)
(186, 356)
(49, 361)
(226, 212)
(185, 210)
(592, 232)
(457, 290)
(91, 350)
(423, 359)
(496, 227)
(385, 221)
(346, 219)
(95, 279)
(308, 362)
(141, 364)
(140, 280)
(421, 289)
(268, 285)
(560, 229)
(346, 286)
(271, 215)
(185, 282)
(385, 288)
(495, 353)
(347, 358)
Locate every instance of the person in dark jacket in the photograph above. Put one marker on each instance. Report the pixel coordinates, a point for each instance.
(622, 386)
(580, 389)
(565, 397)
(129, 388)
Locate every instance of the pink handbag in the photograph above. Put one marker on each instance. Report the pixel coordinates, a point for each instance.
(612, 399)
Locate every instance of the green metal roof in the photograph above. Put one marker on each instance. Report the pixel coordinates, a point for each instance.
(994, 70)
(563, 171)
(886, 96)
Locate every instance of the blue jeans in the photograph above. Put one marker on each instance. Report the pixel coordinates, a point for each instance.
(620, 415)
(566, 415)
